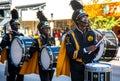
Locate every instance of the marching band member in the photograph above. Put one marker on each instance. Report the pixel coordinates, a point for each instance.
(13, 71)
(33, 65)
(76, 46)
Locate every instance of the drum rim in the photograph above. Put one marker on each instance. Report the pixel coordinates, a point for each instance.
(16, 38)
(20, 39)
(88, 67)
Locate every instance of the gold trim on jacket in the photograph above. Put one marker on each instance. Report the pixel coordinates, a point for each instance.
(32, 66)
(63, 62)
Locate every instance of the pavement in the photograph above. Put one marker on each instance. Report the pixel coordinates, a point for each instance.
(115, 64)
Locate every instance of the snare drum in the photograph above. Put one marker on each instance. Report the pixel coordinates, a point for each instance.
(49, 56)
(98, 72)
(20, 49)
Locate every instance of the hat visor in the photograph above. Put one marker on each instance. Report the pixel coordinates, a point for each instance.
(45, 26)
(15, 23)
(81, 15)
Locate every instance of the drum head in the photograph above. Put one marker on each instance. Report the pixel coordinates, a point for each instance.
(45, 58)
(16, 51)
(98, 67)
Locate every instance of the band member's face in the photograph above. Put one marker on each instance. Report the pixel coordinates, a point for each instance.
(83, 22)
(15, 27)
(45, 31)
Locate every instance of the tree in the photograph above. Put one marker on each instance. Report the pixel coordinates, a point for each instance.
(96, 1)
(106, 23)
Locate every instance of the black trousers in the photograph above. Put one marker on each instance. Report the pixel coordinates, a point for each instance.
(77, 75)
(45, 75)
(14, 73)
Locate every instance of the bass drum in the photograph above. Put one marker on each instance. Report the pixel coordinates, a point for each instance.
(108, 47)
(49, 56)
(20, 49)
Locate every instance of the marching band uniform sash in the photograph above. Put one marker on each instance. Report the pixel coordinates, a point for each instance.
(3, 55)
(63, 62)
(30, 66)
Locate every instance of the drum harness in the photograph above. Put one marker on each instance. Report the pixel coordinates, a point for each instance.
(39, 42)
(40, 46)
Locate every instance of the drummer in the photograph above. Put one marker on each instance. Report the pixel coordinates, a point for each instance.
(78, 47)
(11, 70)
(33, 65)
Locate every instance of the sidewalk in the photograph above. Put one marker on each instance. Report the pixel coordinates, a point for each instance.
(35, 77)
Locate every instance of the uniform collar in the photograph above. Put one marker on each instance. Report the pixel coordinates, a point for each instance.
(42, 35)
(15, 31)
(81, 30)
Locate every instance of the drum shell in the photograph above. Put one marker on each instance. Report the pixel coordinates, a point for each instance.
(24, 44)
(110, 50)
(52, 53)
(109, 46)
(98, 72)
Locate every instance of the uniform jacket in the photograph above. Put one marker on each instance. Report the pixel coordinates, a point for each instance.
(6, 43)
(31, 66)
(71, 56)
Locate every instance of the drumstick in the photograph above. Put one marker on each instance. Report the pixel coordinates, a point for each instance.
(100, 42)
(110, 42)
(104, 38)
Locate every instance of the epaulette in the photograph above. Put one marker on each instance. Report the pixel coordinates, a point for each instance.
(5, 37)
(67, 37)
(36, 37)
(39, 42)
(70, 31)
(10, 35)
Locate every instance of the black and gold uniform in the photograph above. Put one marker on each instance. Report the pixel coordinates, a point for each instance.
(78, 57)
(83, 39)
(33, 65)
(78, 47)
(13, 71)
(45, 75)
